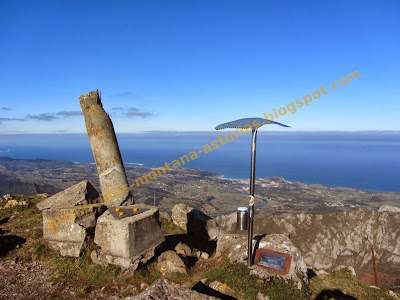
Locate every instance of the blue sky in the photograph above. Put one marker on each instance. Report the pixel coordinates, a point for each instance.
(191, 65)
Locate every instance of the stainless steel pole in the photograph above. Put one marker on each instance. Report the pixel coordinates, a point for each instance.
(251, 197)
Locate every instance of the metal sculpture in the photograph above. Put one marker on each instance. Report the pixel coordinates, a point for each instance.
(254, 124)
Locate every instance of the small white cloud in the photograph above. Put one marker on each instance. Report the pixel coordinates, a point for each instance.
(42, 117)
(10, 119)
(135, 112)
(123, 94)
(70, 113)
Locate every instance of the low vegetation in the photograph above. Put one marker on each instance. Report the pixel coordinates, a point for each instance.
(342, 285)
(168, 227)
(247, 287)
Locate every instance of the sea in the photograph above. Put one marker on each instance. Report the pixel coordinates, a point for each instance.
(362, 160)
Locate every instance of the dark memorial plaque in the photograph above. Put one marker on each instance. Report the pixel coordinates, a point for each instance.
(273, 261)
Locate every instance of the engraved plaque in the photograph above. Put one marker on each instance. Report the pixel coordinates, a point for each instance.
(273, 261)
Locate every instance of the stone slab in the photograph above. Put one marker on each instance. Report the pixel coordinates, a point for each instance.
(77, 194)
(130, 236)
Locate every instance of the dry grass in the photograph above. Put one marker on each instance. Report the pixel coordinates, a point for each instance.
(342, 283)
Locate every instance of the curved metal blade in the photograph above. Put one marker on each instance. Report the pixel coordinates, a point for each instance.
(258, 122)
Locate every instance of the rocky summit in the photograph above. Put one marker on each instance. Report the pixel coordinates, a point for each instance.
(198, 257)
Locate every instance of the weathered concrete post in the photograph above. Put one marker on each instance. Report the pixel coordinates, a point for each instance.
(113, 182)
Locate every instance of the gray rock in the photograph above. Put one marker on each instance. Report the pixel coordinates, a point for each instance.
(281, 243)
(231, 241)
(43, 195)
(389, 208)
(203, 255)
(221, 287)
(227, 223)
(393, 294)
(95, 256)
(170, 262)
(347, 268)
(212, 229)
(194, 221)
(166, 216)
(237, 246)
(183, 249)
(164, 289)
(179, 215)
(7, 197)
(262, 297)
(77, 194)
(321, 273)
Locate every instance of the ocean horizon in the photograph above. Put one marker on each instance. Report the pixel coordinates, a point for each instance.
(362, 160)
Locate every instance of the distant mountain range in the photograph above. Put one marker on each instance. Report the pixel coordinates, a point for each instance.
(11, 181)
(16, 187)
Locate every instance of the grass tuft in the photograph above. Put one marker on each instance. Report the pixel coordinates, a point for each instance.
(168, 227)
(343, 282)
(146, 273)
(80, 268)
(178, 277)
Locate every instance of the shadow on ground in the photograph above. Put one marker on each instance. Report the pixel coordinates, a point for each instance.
(192, 240)
(9, 243)
(334, 294)
(205, 289)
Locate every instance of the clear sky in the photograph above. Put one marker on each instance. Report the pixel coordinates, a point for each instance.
(190, 65)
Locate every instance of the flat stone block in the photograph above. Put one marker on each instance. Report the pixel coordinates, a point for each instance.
(77, 194)
(130, 236)
(66, 229)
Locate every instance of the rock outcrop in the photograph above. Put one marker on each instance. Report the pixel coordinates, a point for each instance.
(389, 208)
(194, 221)
(237, 246)
(343, 238)
(170, 262)
(183, 249)
(281, 243)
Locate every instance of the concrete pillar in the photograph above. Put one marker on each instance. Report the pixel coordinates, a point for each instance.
(113, 182)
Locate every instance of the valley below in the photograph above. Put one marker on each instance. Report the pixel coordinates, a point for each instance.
(200, 189)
